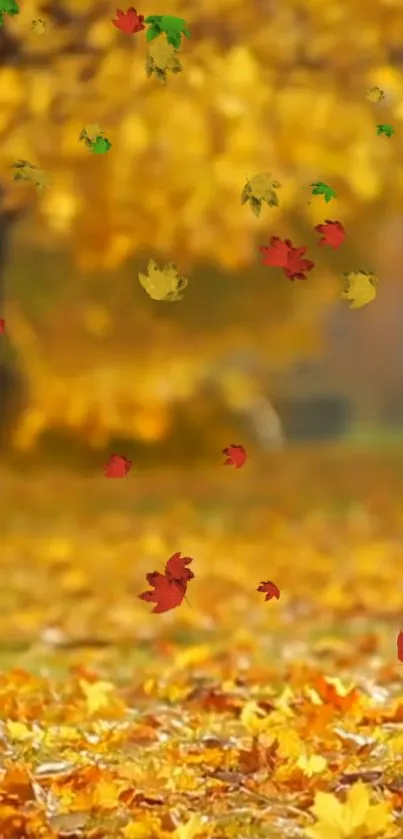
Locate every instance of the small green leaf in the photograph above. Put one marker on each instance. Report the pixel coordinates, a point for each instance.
(153, 32)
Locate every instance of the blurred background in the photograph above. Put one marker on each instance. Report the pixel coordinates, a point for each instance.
(88, 360)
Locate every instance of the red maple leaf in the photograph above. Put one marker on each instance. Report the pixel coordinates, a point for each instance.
(2, 326)
(236, 456)
(276, 254)
(129, 22)
(176, 571)
(283, 254)
(170, 587)
(333, 233)
(271, 589)
(400, 646)
(117, 466)
(296, 264)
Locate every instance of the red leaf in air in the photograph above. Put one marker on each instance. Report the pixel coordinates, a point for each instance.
(296, 264)
(400, 646)
(129, 22)
(276, 255)
(176, 571)
(283, 254)
(117, 466)
(169, 588)
(236, 456)
(271, 589)
(2, 326)
(333, 233)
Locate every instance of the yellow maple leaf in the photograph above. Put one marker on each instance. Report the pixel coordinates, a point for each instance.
(375, 94)
(254, 719)
(194, 827)
(141, 830)
(18, 730)
(361, 288)
(39, 26)
(163, 283)
(97, 695)
(357, 818)
(311, 764)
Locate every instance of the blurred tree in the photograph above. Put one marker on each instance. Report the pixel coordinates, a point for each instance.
(266, 86)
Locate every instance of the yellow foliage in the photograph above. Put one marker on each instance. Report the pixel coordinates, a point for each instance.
(286, 93)
(356, 819)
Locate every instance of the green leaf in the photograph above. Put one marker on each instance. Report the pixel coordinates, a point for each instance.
(386, 129)
(100, 146)
(9, 7)
(153, 32)
(320, 188)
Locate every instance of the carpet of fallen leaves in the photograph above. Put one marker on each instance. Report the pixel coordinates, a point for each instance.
(228, 717)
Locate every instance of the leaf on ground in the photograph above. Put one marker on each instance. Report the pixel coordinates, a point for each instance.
(357, 817)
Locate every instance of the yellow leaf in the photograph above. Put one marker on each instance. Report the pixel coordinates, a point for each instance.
(194, 827)
(253, 718)
(139, 830)
(355, 819)
(361, 288)
(18, 731)
(162, 283)
(311, 765)
(97, 695)
(375, 94)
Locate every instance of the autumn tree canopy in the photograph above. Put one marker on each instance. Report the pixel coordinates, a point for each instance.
(265, 86)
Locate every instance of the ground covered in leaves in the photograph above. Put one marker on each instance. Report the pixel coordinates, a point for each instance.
(229, 716)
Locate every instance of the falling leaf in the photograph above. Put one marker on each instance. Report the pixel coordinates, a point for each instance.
(8, 7)
(261, 189)
(386, 129)
(95, 139)
(117, 466)
(170, 587)
(129, 22)
(173, 27)
(284, 255)
(26, 171)
(162, 58)
(375, 94)
(163, 283)
(361, 288)
(276, 254)
(2, 326)
(333, 233)
(400, 646)
(91, 132)
(320, 188)
(39, 26)
(271, 589)
(235, 456)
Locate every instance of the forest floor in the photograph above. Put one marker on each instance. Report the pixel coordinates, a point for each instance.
(229, 716)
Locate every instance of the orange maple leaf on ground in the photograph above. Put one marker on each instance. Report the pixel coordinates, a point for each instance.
(170, 587)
